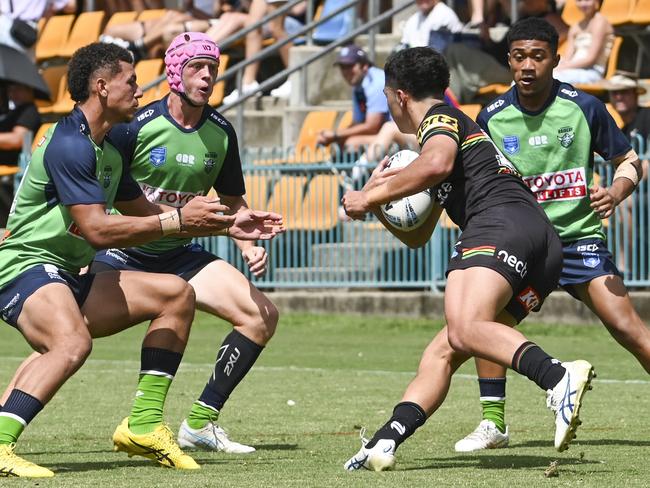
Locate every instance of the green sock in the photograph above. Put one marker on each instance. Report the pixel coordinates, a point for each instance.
(10, 429)
(200, 415)
(496, 412)
(147, 411)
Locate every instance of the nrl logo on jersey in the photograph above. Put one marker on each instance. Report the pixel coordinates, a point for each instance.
(209, 161)
(565, 135)
(158, 156)
(511, 144)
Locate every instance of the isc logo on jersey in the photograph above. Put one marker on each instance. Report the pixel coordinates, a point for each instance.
(495, 105)
(144, 115)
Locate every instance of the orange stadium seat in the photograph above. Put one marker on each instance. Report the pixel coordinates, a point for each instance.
(345, 120)
(64, 102)
(151, 14)
(641, 12)
(306, 150)
(147, 71)
(85, 30)
(121, 18)
(54, 36)
(257, 188)
(615, 115)
(286, 199)
(52, 76)
(618, 12)
(216, 98)
(320, 205)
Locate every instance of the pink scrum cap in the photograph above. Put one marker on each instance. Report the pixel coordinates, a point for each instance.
(186, 46)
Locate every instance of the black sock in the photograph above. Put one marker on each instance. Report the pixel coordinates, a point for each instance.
(531, 361)
(236, 356)
(407, 417)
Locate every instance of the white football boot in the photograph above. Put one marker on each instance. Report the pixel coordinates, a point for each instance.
(211, 437)
(381, 457)
(566, 398)
(485, 436)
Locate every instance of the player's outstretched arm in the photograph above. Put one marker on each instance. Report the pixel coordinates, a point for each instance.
(251, 225)
(201, 217)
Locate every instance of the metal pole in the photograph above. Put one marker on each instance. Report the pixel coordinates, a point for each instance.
(373, 11)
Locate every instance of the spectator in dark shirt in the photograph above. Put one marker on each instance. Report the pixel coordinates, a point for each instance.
(21, 118)
(624, 91)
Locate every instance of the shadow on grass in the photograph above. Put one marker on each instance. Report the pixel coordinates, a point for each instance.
(277, 447)
(589, 442)
(498, 462)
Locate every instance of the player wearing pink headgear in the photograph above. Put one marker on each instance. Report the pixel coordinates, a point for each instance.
(178, 148)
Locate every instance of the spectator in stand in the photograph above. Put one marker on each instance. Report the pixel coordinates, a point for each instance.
(369, 105)
(472, 67)
(112, 6)
(588, 46)
(432, 25)
(150, 38)
(276, 28)
(29, 12)
(21, 118)
(624, 91)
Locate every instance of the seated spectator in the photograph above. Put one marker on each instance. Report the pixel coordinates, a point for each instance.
(147, 39)
(588, 46)
(21, 118)
(624, 91)
(472, 68)
(30, 12)
(112, 6)
(276, 28)
(369, 105)
(432, 25)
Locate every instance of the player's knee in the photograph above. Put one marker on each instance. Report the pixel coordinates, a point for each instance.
(75, 350)
(262, 323)
(181, 296)
(457, 339)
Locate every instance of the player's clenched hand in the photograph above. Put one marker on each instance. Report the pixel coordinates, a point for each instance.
(256, 258)
(250, 225)
(601, 201)
(203, 216)
(380, 175)
(355, 204)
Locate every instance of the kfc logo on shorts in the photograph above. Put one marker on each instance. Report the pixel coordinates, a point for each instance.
(529, 299)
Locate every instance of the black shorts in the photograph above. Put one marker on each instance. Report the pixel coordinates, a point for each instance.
(185, 261)
(519, 243)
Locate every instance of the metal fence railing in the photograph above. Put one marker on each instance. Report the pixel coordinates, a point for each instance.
(321, 249)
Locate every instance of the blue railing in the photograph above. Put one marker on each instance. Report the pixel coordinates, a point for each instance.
(321, 249)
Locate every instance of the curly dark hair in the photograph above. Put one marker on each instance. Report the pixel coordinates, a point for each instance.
(420, 71)
(86, 61)
(533, 29)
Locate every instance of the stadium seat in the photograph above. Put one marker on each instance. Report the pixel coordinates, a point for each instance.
(121, 18)
(494, 89)
(54, 37)
(618, 12)
(40, 133)
(64, 102)
(336, 27)
(320, 205)
(52, 76)
(8, 170)
(306, 150)
(151, 14)
(471, 110)
(85, 30)
(218, 91)
(147, 71)
(641, 13)
(612, 62)
(287, 199)
(345, 120)
(257, 190)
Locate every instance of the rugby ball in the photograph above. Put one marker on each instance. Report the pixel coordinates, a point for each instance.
(410, 212)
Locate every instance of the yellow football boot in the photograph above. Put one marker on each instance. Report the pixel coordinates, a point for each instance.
(158, 445)
(15, 466)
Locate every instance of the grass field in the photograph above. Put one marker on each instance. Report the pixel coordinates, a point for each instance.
(342, 372)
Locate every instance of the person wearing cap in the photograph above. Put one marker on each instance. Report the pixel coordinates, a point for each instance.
(369, 106)
(624, 91)
(61, 215)
(180, 148)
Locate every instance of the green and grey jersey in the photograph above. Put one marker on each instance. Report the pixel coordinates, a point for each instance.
(553, 149)
(173, 164)
(67, 168)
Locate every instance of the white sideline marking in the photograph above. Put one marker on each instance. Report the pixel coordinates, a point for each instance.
(189, 366)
